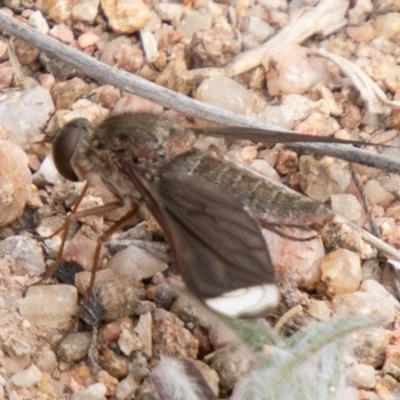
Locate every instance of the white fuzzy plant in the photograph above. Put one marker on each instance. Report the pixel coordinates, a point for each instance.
(306, 366)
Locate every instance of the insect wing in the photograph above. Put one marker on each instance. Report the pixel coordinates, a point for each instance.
(218, 246)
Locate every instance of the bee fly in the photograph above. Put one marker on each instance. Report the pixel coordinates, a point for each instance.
(206, 207)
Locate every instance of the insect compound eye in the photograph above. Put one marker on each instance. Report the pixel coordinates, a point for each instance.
(64, 146)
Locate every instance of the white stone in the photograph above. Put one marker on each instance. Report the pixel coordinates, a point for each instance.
(388, 25)
(372, 300)
(226, 93)
(169, 11)
(143, 330)
(374, 191)
(126, 387)
(363, 376)
(319, 309)
(154, 23)
(28, 377)
(271, 4)
(150, 45)
(136, 262)
(347, 206)
(37, 20)
(85, 10)
(129, 341)
(26, 112)
(292, 73)
(49, 306)
(259, 28)
(194, 21)
(265, 168)
(97, 391)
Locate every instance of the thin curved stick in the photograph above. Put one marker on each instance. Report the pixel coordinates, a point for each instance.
(179, 102)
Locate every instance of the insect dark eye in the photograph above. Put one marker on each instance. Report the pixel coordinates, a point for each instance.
(63, 149)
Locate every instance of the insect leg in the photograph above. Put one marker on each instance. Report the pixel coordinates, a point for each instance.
(73, 216)
(95, 263)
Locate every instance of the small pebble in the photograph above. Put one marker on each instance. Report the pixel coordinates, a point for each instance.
(25, 113)
(74, 347)
(137, 263)
(80, 249)
(65, 93)
(230, 367)
(112, 330)
(363, 376)
(315, 180)
(82, 279)
(214, 47)
(369, 346)
(259, 28)
(119, 296)
(162, 295)
(97, 391)
(122, 53)
(296, 261)
(85, 10)
(364, 33)
(132, 103)
(173, 340)
(226, 93)
(26, 53)
(319, 309)
(46, 361)
(372, 300)
(49, 306)
(129, 342)
(392, 361)
(62, 33)
(25, 254)
(374, 192)
(126, 17)
(292, 70)
(169, 11)
(387, 25)
(150, 46)
(37, 20)
(27, 378)
(126, 387)
(194, 21)
(143, 330)
(341, 272)
(116, 365)
(87, 39)
(347, 206)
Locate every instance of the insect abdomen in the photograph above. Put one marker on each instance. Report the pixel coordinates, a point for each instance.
(262, 197)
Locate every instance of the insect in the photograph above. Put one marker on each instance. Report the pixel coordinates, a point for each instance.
(206, 207)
